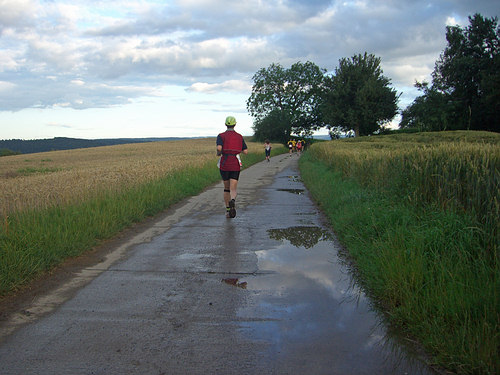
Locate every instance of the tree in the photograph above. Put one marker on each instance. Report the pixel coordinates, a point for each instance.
(358, 97)
(288, 95)
(428, 112)
(468, 71)
(7, 152)
(275, 126)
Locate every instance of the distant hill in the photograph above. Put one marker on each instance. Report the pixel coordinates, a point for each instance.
(61, 143)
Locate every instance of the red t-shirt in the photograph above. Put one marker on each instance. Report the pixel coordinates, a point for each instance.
(228, 161)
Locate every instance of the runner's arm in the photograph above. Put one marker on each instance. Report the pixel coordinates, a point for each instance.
(219, 145)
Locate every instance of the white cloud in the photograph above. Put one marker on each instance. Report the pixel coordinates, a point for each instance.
(106, 54)
(6, 86)
(17, 13)
(227, 86)
(77, 82)
(407, 74)
(57, 125)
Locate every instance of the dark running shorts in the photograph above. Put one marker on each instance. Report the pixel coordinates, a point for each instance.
(226, 175)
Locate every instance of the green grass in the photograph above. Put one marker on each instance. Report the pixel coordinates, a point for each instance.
(36, 170)
(432, 268)
(34, 242)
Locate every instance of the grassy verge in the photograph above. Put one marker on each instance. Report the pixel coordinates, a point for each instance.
(432, 269)
(34, 241)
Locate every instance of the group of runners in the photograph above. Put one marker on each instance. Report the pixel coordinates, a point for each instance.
(229, 145)
(296, 146)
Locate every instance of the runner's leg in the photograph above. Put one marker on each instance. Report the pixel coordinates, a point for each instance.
(233, 186)
(232, 204)
(227, 194)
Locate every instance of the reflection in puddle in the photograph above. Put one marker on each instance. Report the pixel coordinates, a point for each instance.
(293, 191)
(305, 304)
(295, 178)
(301, 236)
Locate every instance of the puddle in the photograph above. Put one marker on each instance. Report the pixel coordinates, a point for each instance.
(293, 178)
(301, 236)
(305, 304)
(293, 191)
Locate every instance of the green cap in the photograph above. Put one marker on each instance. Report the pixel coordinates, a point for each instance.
(230, 121)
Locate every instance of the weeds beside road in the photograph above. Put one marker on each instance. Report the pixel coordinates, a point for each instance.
(420, 216)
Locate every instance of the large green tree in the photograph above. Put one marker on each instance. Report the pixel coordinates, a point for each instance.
(286, 101)
(358, 96)
(465, 91)
(469, 71)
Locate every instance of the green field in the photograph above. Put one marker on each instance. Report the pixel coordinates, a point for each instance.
(419, 214)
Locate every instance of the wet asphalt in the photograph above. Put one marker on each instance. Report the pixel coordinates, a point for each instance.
(268, 292)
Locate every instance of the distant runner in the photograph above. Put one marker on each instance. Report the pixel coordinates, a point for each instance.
(299, 147)
(229, 145)
(290, 146)
(267, 148)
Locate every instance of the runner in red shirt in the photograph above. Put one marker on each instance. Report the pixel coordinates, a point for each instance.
(229, 145)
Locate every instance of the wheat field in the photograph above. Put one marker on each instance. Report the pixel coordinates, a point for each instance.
(42, 180)
(457, 170)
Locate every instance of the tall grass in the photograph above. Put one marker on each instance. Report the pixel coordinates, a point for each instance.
(426, 248)
(100, 192)
(456, 170)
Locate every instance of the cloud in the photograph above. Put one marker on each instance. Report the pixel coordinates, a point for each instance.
(17, 13)
(95, 54)
(7, 86)
(31, 91)
(58, 125)
(77, 82)
(227, 86)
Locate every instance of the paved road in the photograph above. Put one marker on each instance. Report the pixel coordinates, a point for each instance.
(267, 292)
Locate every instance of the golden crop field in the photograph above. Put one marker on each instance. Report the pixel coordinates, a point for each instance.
(41, 180)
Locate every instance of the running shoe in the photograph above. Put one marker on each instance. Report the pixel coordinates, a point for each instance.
(232, 208)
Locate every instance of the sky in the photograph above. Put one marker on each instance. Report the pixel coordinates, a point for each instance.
(149, 68)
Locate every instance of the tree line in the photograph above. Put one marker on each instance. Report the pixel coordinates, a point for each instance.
(21, 146)
(465, 88)
(357, 98)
